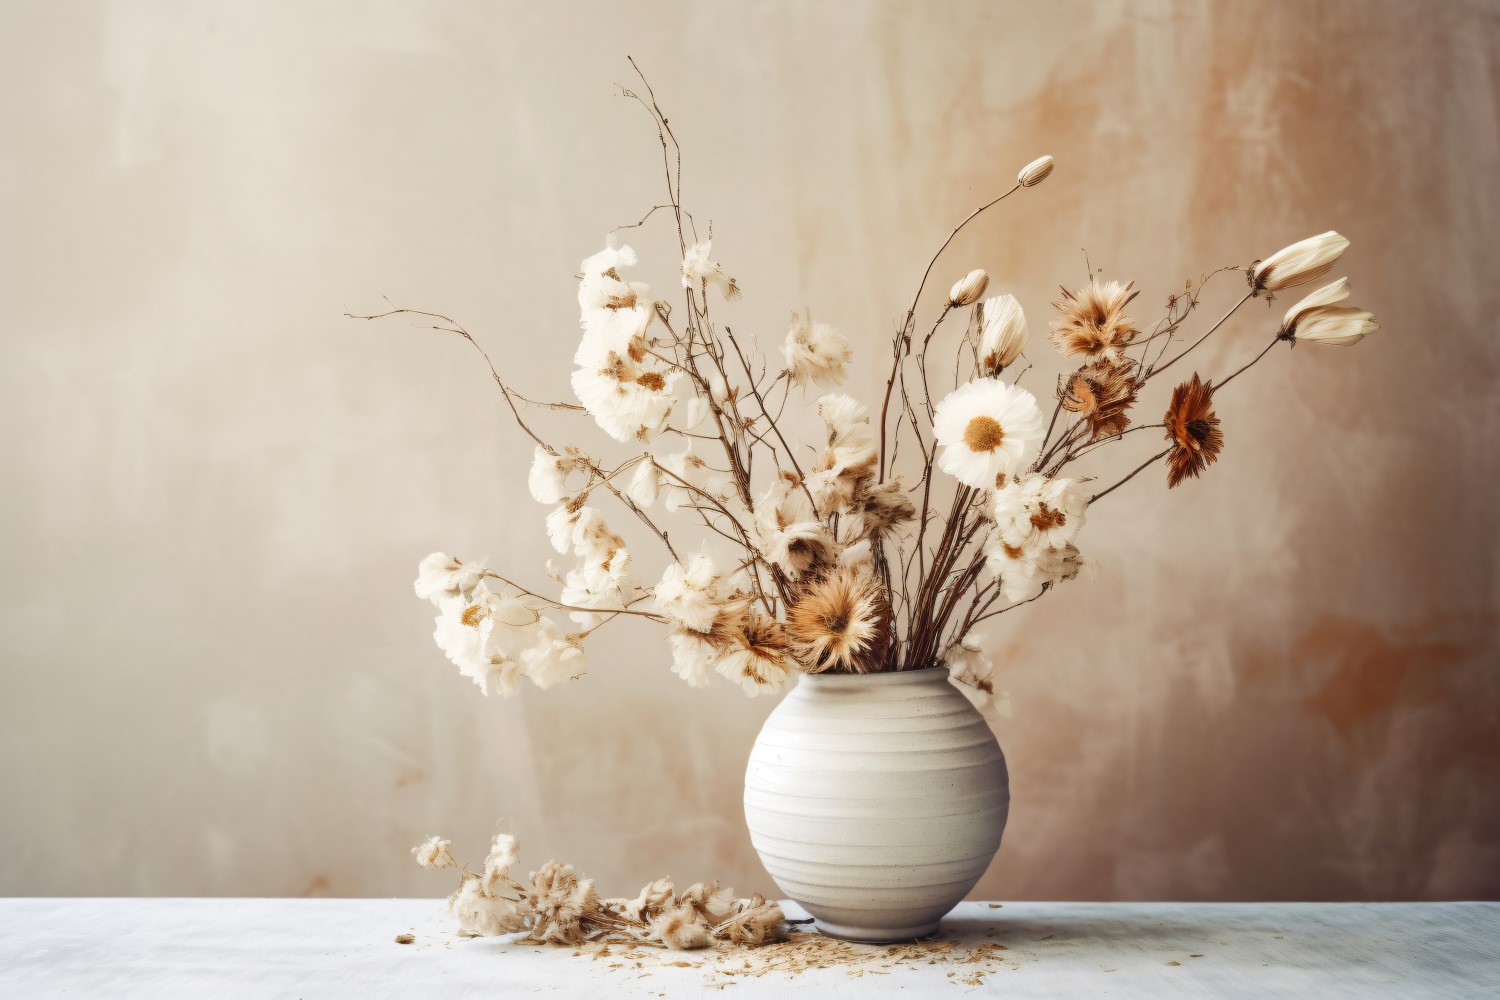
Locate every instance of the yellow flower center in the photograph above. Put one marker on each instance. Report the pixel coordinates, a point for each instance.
(983, 434)
(472, 615)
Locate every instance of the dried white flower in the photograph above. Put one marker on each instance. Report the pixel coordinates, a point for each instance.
(1318, 320)
(688, 595)
(1002, 333)
(699, 268)
(483, 915)
(757, 922)
(560, 524)
(681, 928)
(1032, 511)
(504, 851)
(483, 634)
(684, 467)
(441, 575)
(971, 670)
(654, 898)
(713, 904)
(645, 484)
(1299, 263)
(693, 657)
(966, 290)
(847, 462)
(816, 352)
(988, 431)
(1035, 172)
(553, 657)
(435, 852)
(788, 532)
(1024, 572)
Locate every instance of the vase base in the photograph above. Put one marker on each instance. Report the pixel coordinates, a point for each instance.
(876, 935)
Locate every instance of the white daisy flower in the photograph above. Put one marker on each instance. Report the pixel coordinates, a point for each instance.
(988, 431)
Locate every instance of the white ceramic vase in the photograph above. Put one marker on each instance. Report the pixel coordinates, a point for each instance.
(876, 800)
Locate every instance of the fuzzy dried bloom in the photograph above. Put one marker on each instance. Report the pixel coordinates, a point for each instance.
(971, 670)
(1003, 333)
(435, 852)
(1035, 172)
(1092, 320)
(482, 915)
(713, 904)
(497, 865)
(440, 576)
(483, 635)
(758, 655)
(1193, 429)
(1033, 511)
(681, 929)
(758, 922)
(847, 462)
(684, 472)
(816, 352)
(788, 532)
(548, 478)
(988, 430)
(553, 657)
(653, 899)
(1025, 572)
(841, 621)
(689, 595)
(1101, 393)
(1299, 263)
(695, 654)
(699, 269)
(967, 290)
(883, 508)
(1318, 320)
(562, 904)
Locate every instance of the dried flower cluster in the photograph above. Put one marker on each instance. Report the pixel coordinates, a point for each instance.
(886, 541)
(556, 906)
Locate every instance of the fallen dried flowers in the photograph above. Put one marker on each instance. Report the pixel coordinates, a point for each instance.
(556, 906)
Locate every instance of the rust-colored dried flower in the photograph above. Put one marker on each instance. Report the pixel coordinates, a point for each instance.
(1102, 393)
(1092, 320)
(1193, 429)
(841, 622)
(758, 655)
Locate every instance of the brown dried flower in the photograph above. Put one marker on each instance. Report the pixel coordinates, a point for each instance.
(561, 903)
(1092, 320)
(758, 655)
(841, 622)
(1101, 393)
(1193, 429)
(681, 928)
(884, 507)
(758, 922)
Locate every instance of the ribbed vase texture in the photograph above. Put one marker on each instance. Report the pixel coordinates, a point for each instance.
(876, 801)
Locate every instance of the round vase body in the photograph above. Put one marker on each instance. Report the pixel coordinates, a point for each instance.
(876, 801)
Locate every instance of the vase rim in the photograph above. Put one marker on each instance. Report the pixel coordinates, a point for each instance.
(922, 676)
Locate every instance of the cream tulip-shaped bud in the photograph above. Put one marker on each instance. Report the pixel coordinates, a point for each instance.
(1002, 333)
(1299, 263)
(1318, 320)
(1035, 172)
(966, 291)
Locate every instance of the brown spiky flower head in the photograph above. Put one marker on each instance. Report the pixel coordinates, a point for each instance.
(1092, 320)
(841, 622)
(1101, 394)
(1193, 429)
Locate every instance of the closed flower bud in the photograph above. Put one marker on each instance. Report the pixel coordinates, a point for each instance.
(966, 291)
(1318, 320)
(1299, 263)
(1002, 333)
(1035, 172)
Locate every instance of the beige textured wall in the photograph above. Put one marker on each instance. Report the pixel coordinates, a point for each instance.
(216, 679)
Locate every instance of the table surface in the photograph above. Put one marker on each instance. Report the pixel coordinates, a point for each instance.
(347, 947)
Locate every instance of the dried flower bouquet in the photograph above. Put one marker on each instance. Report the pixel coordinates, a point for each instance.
(826, 558)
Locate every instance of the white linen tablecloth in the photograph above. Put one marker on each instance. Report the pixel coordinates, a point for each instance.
(315, 948)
